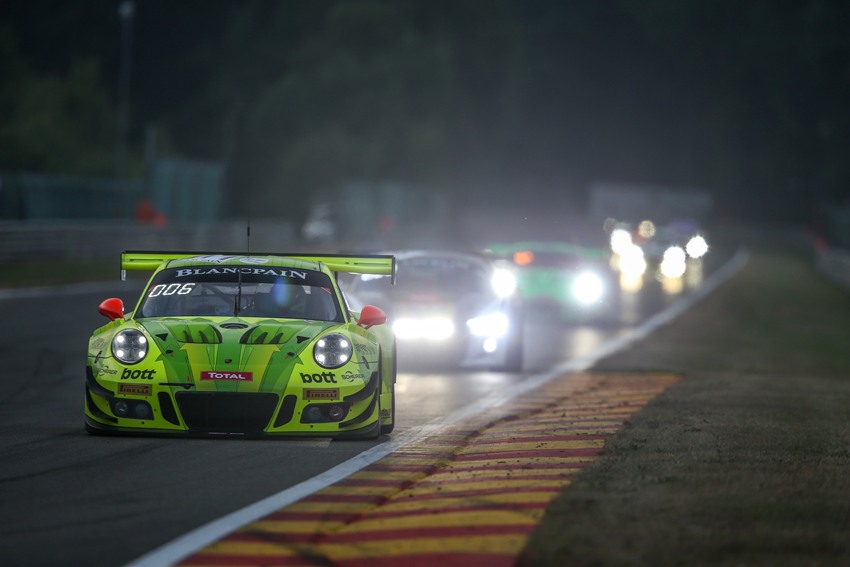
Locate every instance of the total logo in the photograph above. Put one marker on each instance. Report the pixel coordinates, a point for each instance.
(318, 378)
(232, 376)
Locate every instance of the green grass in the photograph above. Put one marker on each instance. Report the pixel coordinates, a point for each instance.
(746, 460)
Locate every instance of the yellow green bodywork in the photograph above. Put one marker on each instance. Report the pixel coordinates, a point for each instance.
(270, 358)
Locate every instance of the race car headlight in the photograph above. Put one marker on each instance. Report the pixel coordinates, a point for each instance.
(503, 282)
(129, 346)
(632, 261)
(673, 265)
(696, 247)
(588, 288)
(332, 351)
(491, 325)
(620, 240)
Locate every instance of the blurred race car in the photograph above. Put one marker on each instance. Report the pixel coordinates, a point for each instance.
(247, 345)
(449, 308)
(667, 250)
(573, 282)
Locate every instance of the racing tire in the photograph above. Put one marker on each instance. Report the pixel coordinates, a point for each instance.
(513, 361)
(376, 431)
(387, 429)
(94, 431)
(514, 355)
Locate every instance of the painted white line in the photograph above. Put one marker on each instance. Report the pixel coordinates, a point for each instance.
(184, 546)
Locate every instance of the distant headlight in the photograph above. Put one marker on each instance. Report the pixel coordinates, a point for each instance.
(696, 247)
(620, 240)
(129, 346)
(332, 351)
(491, 325)
(632, 261)
(588, 288)
(673, 264)
(431, 328)
(503, 282)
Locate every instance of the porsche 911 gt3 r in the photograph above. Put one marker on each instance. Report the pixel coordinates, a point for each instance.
(249, 345)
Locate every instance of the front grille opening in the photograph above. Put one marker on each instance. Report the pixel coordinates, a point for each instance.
(226, 412)
(287, 408)
(166, 408)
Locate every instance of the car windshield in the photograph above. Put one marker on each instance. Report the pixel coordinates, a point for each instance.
(227, 291)
(433, 274)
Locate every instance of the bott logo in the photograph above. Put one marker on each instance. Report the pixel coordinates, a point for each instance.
(318, 378)
(138, 374)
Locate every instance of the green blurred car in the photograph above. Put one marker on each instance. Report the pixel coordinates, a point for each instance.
(571, 282)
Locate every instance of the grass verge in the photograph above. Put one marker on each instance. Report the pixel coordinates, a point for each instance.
(746, 460)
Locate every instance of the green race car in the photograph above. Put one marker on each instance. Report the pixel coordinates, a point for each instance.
(246, 345)
(559, 278)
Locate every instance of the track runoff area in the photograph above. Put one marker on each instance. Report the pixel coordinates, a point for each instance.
(466, 489)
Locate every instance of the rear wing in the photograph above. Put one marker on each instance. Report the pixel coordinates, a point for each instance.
(380, 264)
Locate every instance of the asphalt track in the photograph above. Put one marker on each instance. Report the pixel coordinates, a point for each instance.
(70, 498)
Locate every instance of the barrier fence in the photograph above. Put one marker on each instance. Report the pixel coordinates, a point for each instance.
(84, 241)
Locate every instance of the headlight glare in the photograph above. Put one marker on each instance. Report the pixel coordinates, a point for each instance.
(491, 325)
(503, 282)
(632, 261)
(332, 351)
(696, 247)
(588, 288)
(129, 346)
(620, 240)
(673, 264)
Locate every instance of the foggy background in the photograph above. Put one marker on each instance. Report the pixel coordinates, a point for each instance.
(369, 123)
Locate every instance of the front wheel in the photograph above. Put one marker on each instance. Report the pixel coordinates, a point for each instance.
(514, 354)
(513, 360)
(387, 429)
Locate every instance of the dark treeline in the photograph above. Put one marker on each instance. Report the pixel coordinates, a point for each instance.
(512, 100)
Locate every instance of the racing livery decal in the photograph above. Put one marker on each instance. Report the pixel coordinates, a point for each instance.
(323, 394)
(238, 376)
(135, 389)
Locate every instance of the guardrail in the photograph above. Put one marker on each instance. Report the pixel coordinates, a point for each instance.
(21, 241)
(96, 240)
(835, 263)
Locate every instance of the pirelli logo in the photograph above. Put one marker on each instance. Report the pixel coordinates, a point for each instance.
(323, 394)
(134, 389)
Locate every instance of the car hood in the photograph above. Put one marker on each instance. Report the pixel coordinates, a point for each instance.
(214, 330)
(267, 348)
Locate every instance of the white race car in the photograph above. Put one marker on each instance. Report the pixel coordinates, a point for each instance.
(449, 308)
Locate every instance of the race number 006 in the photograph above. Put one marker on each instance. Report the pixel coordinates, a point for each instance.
(171, 289)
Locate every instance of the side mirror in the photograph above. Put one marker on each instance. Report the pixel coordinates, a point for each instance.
(371, 316)
(112, 308)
